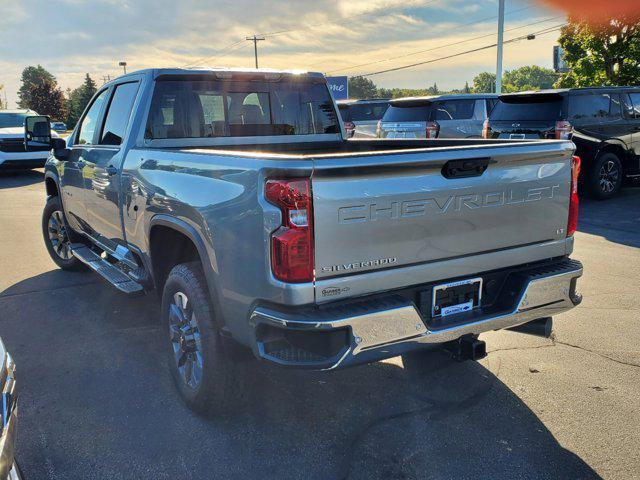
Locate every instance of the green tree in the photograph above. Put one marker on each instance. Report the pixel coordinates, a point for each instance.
(78, 99)
(602, 55)
(3, 103)
(433, 90)
(528, 78)
(484, 82)
(467, 88)
(47, 99)
(361, 87)
(32, 76)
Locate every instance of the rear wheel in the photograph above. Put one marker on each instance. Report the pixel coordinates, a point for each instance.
(58, 236)
(208, 376)
(605, 179)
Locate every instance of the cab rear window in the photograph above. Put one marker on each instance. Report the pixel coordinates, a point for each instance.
(220, 108)
(528, 109)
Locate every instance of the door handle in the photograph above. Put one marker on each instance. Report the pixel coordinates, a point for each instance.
(111, 170)
(473, 167)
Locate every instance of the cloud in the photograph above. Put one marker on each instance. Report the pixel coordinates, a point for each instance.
(72, 37)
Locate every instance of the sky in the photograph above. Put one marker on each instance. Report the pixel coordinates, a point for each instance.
(340, 37)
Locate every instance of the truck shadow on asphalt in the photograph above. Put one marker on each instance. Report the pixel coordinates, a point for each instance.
(97, 401)
(617, 220)
(20, 178)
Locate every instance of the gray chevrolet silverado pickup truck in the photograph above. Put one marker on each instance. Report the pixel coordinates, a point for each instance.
(235, 196)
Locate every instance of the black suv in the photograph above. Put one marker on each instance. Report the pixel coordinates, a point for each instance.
(604, 123)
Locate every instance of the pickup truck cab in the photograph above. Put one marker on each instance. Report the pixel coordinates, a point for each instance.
(235, 196)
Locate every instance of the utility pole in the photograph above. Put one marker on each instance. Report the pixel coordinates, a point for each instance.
(255, 41)
(500, 46)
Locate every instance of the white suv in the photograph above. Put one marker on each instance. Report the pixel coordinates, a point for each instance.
(12, 152)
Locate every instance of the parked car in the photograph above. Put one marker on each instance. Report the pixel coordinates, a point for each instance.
(9, 469)
(441, 116)
(13, 155)
(60, 127)
(604, 123)
(264, 228)
(361, 117)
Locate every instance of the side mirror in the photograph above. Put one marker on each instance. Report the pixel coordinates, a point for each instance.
(37, 133)
(60, 150)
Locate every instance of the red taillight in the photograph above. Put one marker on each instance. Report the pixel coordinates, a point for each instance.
(574, 201)
(564, 130)
(350, 127)
(433, 129)
(486, 129)
(292, 243)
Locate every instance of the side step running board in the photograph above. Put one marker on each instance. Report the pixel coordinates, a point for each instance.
(109, 272)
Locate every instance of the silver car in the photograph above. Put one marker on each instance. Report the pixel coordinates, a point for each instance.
(361, 117)
(441, 116)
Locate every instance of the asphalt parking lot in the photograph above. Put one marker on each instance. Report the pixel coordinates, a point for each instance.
(97, 401)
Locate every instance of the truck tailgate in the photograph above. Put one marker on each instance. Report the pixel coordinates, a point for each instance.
(389, 210)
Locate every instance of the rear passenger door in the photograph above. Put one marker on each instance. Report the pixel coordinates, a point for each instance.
(77, 175)
(457, 118)
(104, 159)
(631, 108)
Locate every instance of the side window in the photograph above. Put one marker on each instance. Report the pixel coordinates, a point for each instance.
(631, 104)
(454, 110)
(90, 120)
(118, 114)
(596, 106)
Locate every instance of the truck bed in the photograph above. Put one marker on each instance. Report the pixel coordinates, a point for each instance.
(389, 213)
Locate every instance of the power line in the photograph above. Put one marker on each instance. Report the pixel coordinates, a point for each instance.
(226, 50)
(217, 54)
(486, 47)
(442, 46)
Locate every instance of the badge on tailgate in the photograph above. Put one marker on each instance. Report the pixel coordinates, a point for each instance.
(456, 297)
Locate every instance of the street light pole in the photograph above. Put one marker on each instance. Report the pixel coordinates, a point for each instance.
(500, 46)
(255, 41)
(124, 66)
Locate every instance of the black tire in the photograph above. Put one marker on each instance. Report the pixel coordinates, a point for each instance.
(605, 178)
(58, 236)
(221, 384)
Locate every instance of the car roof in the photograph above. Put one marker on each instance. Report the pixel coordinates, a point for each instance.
(17, 110)
(562, 91)
(221, 72)
(353, 101)
(432, 98)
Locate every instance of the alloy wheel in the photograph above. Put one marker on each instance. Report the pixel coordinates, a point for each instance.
(608, 176)
(186, 341)
(58, 235)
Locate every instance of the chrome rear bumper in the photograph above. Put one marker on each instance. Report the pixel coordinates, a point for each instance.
(389, 326)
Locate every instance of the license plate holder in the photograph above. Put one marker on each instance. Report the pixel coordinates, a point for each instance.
(456, 297)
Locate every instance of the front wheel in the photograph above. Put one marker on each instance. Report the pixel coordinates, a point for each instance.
(57, 236)
(208, 377)
(605, 180)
